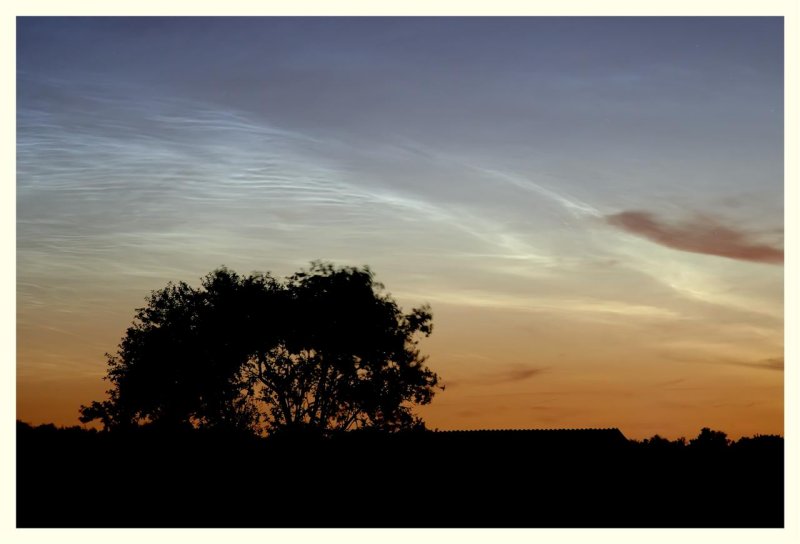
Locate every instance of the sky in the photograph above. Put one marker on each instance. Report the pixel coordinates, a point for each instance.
(593, 207)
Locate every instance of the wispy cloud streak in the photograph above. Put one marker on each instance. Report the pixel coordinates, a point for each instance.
(774, 363)
(573, 205)
(508, 375)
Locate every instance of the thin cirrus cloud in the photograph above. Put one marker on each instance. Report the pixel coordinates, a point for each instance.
(511, 375)
(700, 235)
(774, 363)
(517, 373)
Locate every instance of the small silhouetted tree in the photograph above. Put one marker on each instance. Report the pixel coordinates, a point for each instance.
(709, 440)
(326, 349)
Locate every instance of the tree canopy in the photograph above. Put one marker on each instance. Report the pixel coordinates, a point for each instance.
(325, 349)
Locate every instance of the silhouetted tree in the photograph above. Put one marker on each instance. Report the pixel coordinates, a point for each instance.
(347, 357)
(324, 350)
(709, 440)
(179, 364)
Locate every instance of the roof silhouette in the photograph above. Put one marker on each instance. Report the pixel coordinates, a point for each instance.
(608, 430)
(538, 438)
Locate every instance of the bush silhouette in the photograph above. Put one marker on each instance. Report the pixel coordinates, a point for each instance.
(324, 350)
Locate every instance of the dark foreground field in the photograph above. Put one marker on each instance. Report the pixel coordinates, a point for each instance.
(73, 478)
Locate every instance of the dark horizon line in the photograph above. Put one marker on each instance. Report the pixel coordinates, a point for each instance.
(84, 427)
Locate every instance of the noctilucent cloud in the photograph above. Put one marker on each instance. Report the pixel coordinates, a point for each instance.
(593, 207)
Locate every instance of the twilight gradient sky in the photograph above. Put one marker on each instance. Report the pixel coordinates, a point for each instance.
(592, 206)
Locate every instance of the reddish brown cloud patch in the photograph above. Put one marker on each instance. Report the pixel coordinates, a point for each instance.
(700, 235)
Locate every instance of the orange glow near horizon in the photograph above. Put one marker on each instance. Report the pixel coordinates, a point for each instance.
(500, 369)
